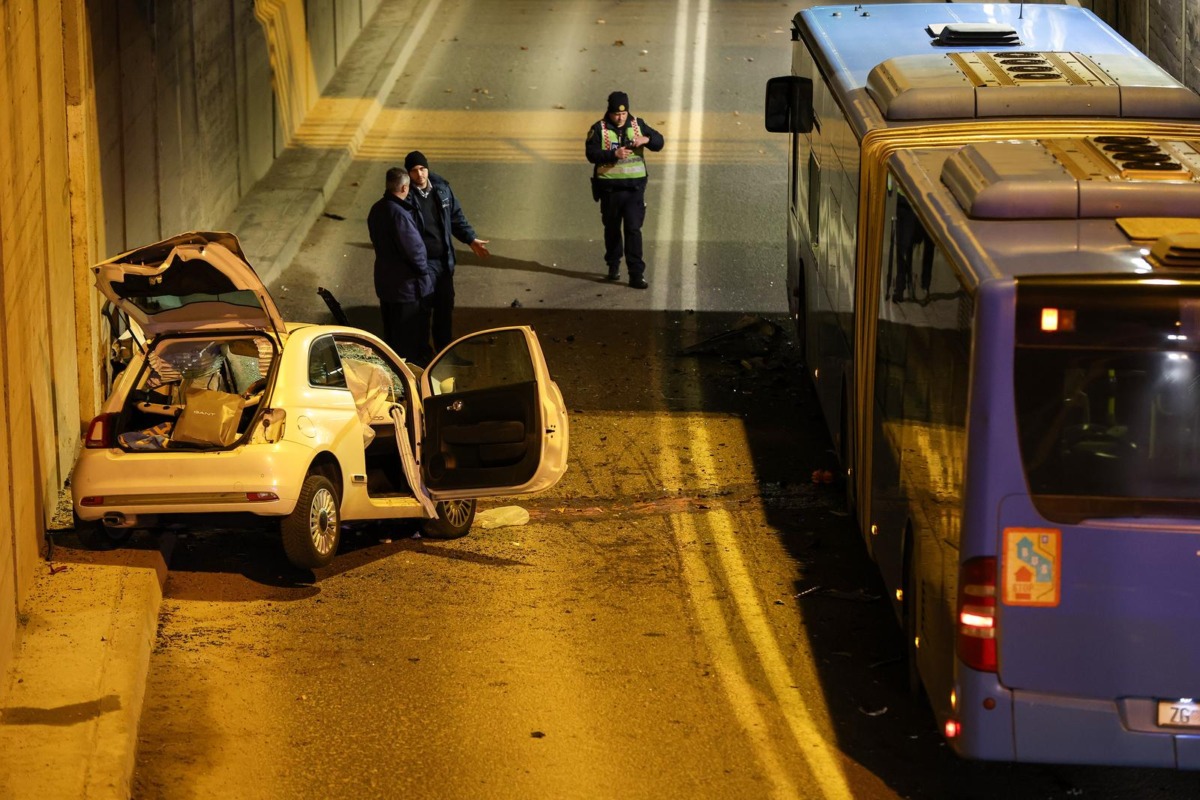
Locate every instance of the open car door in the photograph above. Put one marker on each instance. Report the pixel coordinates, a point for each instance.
(495, 422)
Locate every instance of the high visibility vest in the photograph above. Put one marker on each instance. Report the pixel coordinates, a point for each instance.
(632, 167)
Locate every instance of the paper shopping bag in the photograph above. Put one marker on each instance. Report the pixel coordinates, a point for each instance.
(209, 417)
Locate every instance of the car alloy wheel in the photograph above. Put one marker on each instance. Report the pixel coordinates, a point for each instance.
(311, 532)
(453, 521)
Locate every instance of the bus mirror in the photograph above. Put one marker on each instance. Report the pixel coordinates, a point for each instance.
(788, 107)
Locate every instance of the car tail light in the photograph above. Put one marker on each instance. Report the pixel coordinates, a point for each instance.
(261, 497)
(977, 614)
(99, 432)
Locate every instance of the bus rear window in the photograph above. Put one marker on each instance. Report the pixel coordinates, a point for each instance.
(1107, 382)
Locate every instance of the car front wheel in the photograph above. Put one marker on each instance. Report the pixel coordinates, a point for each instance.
(453, 521)
(311, 531)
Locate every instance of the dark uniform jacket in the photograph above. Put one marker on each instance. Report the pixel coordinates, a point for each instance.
(597, 154)
(402, 274)
(454, 221)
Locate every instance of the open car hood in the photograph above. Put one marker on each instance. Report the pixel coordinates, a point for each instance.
(196, 281)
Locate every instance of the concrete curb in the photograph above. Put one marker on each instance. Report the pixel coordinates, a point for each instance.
(69, 723)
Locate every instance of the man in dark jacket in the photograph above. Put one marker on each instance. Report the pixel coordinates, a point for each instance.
(403, 278)
(442, 218)
(616, 145)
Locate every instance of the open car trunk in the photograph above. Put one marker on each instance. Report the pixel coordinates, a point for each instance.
(197, 393)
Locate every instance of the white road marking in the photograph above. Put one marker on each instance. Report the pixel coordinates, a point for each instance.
(660, 280)
(669, 231)
(691, 208)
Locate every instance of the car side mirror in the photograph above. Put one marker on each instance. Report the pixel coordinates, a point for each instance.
(789, 105)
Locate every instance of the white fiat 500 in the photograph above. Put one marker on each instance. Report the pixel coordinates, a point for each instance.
(227, 409)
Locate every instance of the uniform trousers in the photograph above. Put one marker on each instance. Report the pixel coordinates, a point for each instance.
(624, 208)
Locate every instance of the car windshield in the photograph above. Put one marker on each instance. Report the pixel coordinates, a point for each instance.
(1108, 399)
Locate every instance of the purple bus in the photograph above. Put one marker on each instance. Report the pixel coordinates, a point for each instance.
(994, 268)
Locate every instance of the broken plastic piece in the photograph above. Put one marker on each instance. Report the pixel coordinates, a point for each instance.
(502, 516)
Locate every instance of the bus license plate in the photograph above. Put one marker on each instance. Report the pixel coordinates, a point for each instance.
(1178, 714)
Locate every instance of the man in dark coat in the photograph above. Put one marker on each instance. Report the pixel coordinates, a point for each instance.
(404, 281)
(616, 145)
(443, 218)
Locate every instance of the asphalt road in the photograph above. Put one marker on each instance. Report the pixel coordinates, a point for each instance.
(686, 614)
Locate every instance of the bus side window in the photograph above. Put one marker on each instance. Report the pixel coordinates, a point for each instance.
(910, 234)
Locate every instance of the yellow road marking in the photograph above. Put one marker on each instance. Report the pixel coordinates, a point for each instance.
(808, 726)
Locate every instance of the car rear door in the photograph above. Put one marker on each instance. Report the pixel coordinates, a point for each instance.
(494, 421)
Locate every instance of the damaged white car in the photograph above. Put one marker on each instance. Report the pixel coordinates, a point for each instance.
(225, 409)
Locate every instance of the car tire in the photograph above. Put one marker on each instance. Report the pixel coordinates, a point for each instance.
(312, 531)
(95, 535)
(453, 521)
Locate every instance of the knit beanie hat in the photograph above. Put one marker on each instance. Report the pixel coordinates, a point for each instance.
(415, 159)
(618, 101)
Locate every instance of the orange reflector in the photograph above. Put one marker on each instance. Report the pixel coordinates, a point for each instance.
(952, 728)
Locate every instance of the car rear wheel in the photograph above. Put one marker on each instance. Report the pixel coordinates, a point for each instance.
(95, 535)
(453, 521)
(311, 532)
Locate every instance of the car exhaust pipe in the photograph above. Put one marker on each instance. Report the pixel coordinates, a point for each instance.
(115, 519)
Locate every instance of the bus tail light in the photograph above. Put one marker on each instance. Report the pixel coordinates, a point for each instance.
(977, 614)
(99, 432)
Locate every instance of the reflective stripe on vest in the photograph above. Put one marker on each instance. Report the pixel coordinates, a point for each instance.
(632, 167)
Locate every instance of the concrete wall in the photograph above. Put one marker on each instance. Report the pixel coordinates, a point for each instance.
(39, 399)
(121, 122)
(1166, 30)
(186, 121)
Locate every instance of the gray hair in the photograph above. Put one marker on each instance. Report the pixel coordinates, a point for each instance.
(397, 179)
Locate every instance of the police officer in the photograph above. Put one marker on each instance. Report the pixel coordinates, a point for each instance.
(615, 145)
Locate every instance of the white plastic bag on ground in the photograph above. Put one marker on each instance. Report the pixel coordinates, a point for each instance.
(502, 516)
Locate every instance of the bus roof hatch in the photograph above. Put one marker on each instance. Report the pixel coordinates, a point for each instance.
(976, 85)
(1097, 177)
